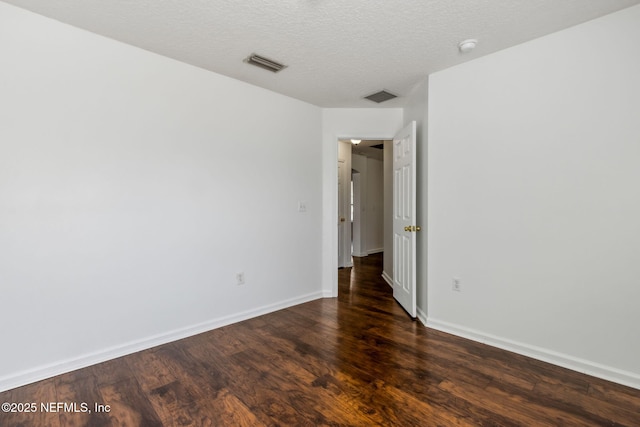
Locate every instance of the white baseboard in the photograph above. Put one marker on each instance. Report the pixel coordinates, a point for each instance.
(422, 316)
(62, 367)
(608, 373)
(387, 278)
(328, 294)
(368, 252)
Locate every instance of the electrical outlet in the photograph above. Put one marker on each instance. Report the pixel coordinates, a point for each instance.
(455, 285)
(240, 278)
(302, 207)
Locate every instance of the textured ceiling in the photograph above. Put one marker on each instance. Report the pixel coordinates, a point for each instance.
(337, 51)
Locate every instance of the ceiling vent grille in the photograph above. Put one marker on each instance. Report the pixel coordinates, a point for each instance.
(381, 96)
(266, 63)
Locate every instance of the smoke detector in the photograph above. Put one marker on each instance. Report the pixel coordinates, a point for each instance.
(468, 45)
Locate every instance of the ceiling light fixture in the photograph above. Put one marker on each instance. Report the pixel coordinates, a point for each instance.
(468, 45)
(356, 141)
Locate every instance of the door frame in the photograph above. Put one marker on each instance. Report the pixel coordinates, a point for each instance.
(335, 124)
(334, 198)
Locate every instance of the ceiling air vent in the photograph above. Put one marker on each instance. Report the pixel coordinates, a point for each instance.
(266, 63)
(381, 96)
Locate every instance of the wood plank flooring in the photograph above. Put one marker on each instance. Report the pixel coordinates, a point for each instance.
(357, 360)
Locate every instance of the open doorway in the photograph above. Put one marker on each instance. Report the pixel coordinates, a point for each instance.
(400, 229)
(363, 197)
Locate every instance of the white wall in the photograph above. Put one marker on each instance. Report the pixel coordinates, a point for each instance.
(375, 206)
(417, 109)
(368, 233)
(132, 189)
(360, 184)
(345, 123)
(534, 202)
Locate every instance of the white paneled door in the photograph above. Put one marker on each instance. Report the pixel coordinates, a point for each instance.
(404, 218)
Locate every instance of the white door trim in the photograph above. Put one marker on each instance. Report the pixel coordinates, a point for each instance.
(332, 202)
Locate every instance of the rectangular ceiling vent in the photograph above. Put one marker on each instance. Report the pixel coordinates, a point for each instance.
(381, 96)
(266, 63)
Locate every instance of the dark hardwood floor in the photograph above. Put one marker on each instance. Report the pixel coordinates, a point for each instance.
(356, 360)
